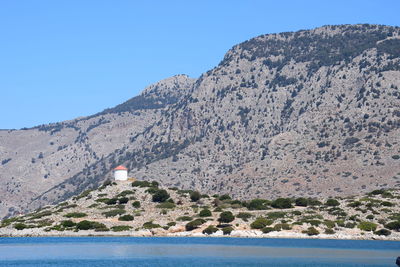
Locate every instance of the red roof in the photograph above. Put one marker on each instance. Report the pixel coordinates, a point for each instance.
(120, 168)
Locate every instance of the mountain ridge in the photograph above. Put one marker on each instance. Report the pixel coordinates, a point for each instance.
(282, 114)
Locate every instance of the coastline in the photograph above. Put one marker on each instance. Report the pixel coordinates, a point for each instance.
(218, 234)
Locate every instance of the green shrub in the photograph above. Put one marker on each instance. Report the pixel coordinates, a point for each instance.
(126, 217)
(276, 215)
(194, 224)
(151, 225)
(75, 215)
(113, 213)
(210, 230)
(301, 201)
(258, 204)
(387, 204)
(111, 201)
(141, 184)
(84, 225)
(282, 203)
(166, 205)
(267, 230)
(171, 224)
(226, 217)
(311, 231)
(123, 200)
(184, 218)
(244, 216)
(20, 226)
(384, 232)
(332, 202)
(314, 202)
(367, 226)
(282, 226)
(394, 225)
(67, 223)
(125, 193)
(136, 204)
(329, 231)
(260, 223)
(354, 204)
(41, 214)
(195, 196)
(370, 217)
(84, 194)
(225, 197)
(160, 196)
(205, 213)
(120, 228)
(227, 230)
(296, 212)
(350, 225)
(329, 224)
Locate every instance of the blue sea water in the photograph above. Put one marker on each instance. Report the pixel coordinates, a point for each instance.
(186, 251)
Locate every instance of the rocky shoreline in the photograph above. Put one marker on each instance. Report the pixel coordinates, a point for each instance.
(144, 209)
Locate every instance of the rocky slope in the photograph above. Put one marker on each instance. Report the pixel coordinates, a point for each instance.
(37, 159)
(144, 209)
(308, 113)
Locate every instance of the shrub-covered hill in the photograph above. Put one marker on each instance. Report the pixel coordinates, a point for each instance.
(143, 208)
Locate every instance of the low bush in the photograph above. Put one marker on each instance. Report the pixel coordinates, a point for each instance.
(210, 230)
(113, 213)
(282, 203)
(301, 201)
(276, 215)
(258, 204)
(120, 228)
(311, 231)
(75, 215)
(20, 226)
(111, 201)
(194, 224)
(267, 230)
(151, 225)
(141, 184)
(125, 193)
(282, 226)
(227, 230)
(226, 217)
(225, 197)
(136, 204)
(260, 223)
(126, 217)
(166, 205)
(67, 223)
(329, 231)
(195, 196)
(393, 225)
(160, 196)
(384, 232)
(332, 202)
(367, 226)
(87, 225)
(205, 213)
(244, 216)
(123, 200)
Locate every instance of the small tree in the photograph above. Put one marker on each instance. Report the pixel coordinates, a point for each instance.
(226, 217)
(332, 202)
(301, 201)
(205, 213)
(160, 196)
(194, 196)
(282, 203)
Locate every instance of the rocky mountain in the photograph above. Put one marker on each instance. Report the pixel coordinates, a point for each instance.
(307, 113)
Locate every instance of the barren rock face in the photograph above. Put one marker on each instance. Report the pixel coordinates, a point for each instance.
(314, 113)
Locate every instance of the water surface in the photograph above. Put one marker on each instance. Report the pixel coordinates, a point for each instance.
(186, 251)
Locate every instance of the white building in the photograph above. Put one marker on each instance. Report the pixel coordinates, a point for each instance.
(120, 173)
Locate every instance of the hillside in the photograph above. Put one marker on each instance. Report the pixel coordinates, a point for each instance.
(307, 113)
(143, 208)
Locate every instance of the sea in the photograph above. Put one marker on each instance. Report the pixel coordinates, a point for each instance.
(194, 251)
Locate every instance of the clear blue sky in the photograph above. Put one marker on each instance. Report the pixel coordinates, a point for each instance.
(64, 59)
